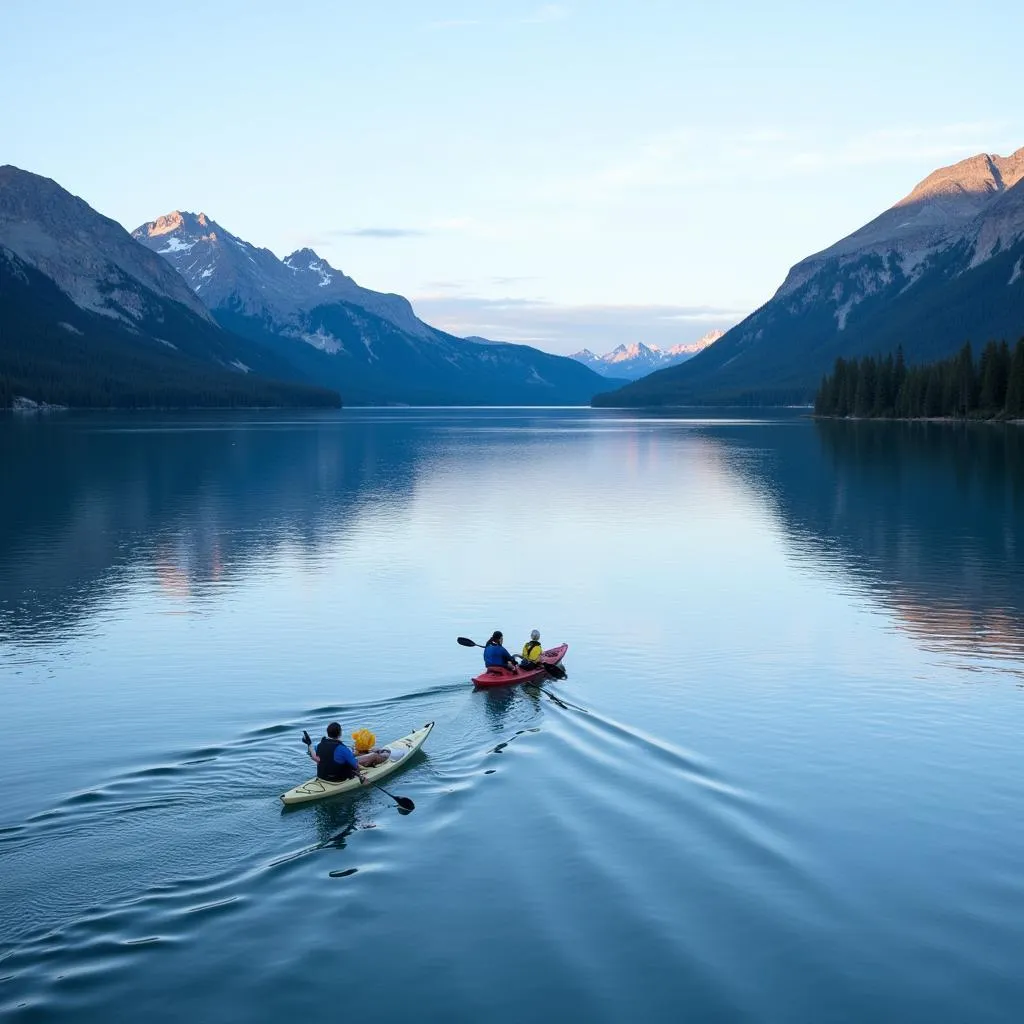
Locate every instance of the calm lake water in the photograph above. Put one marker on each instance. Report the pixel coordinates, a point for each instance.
(797, 794)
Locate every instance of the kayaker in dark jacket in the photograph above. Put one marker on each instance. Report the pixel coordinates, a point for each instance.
(334, 761)
(495, 655)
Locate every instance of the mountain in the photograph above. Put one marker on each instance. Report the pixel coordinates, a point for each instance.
(370, 345)
(223, 270)
(943, 266)
(91, 318)
(637, 360)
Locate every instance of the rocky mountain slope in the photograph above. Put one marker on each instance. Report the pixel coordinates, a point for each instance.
(90, 317)
(369, 345)
(943, 266)
(637, 360)
(223, 270)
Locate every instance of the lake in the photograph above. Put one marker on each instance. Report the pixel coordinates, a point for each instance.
(794, 792)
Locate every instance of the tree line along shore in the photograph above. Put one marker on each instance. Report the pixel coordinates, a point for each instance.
(960, 387)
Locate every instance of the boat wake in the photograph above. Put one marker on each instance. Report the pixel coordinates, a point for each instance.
(148, 863)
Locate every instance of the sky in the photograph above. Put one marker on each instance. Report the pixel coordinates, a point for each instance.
(566, 174)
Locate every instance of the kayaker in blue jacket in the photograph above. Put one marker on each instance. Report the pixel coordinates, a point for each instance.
(495, 655)
(334, 761)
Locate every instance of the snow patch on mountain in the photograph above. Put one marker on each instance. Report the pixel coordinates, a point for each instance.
(175, 244)
(323, 340)
(325, 278)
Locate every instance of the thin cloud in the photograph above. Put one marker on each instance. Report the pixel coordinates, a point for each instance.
(680, 157)
(504, 282)
(568, 328)
(379, 233)
(894, 146)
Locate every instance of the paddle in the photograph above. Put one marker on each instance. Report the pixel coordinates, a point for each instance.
(558, 700)
(403, 801)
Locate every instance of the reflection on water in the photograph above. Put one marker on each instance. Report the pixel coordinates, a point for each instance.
(928, 517)
(193, 504)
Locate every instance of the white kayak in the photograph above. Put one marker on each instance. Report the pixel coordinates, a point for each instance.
(319, 789)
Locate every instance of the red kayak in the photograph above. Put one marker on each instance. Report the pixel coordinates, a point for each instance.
(505, 676)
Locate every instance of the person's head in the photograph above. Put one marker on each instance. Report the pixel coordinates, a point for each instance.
(496, 637)
(534, 634)
(363, 741)
(334, 731)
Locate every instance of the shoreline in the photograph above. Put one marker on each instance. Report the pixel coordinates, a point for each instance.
(920, 419)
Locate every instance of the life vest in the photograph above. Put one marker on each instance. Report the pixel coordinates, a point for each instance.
(327, 768)
(532, 650)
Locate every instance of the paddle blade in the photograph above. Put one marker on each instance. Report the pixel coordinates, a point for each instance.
(466, 642)
(556, 671)
(405, 803)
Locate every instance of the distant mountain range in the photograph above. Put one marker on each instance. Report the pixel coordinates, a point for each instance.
(945, 265)
(369, 345)
(187, 314)
(638, 360)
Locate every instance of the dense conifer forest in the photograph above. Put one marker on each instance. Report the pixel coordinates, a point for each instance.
(991, 387)
(52, 351)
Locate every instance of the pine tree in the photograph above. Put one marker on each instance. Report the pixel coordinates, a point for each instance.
(899, 376)
(993, 371)
(1002, 375)
(987, 376)
(964, 400)
(845, 382)
(864, 398)
(822, 400)
(933, 392)
(1015, 384)
(884, 395)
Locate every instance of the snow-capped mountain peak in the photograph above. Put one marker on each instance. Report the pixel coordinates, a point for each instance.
(630, 353)
(227, 271)
(179, 222)
(639, 359)
(691, 348)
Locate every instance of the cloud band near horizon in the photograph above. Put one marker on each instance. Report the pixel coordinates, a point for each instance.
(565, 329)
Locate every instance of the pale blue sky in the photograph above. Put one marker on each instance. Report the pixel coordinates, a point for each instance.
(567, 174)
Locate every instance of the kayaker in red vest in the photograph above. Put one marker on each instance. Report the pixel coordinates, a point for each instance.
(495, 655)
(334, 761)
(532, 651)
